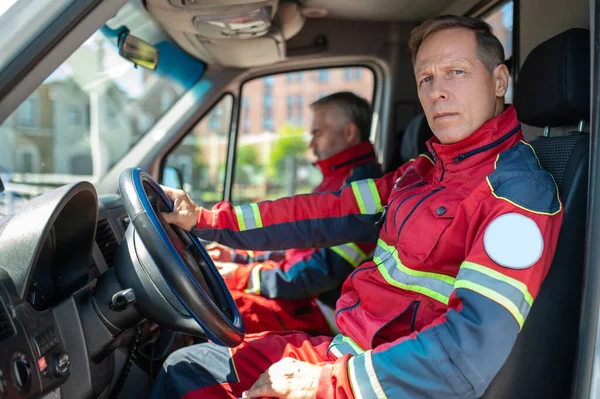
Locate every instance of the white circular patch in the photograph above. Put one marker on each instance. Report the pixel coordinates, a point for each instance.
(513, 240)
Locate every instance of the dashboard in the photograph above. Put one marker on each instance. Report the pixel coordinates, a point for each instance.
(53, 251)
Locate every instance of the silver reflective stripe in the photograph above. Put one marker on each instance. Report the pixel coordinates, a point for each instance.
(363, 380)
(351, 253)
(344, 345)
(366, 196)
(248, 215)
(436, 286)
(498, 286)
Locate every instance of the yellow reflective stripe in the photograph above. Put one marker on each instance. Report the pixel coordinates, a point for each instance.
(433, 285)
(367, 197)
(499, 276)
(344, 345)
(363, 380)
(351, 253)
(494, 296)
(248, 217)
(353, 382)
(359, 200)
(353, 344)
(239, 214)
(257, 218)
(508, 292)
(254, 281)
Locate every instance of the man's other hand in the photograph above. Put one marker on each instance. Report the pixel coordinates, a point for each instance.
(185, 211)
(288, 378)
(219, 252)
(227, 269)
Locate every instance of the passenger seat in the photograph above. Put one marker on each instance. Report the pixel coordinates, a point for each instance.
(412, 143)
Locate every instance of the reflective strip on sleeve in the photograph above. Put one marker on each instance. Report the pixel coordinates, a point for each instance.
(367, 197)
(351, 253)
(254, 281)
(363, 380)
(248, 217)
(512, 294)
(433, 285)
(342, 345)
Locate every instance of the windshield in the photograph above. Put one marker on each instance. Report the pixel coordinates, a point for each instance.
(80, 121)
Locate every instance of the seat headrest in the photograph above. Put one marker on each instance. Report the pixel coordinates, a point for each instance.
(553, 86)
(415, 136)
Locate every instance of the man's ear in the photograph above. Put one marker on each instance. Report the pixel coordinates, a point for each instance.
(351, 134)
(501, 78)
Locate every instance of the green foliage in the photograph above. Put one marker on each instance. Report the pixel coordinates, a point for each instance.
(290, 144)
(247, 155)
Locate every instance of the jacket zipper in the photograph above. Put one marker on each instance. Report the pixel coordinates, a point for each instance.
(502, 139)
(436, 159)
(415, 208)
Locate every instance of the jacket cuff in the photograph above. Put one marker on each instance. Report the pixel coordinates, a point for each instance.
(325, 387)
(241, 277)
(206, 219)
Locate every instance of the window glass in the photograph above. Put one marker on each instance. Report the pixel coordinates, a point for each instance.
(80, 121)
(197, 164)
(501, 21)
(272, 157)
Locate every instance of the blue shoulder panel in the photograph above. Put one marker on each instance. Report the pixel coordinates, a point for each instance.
(519, 179)
(368, 170)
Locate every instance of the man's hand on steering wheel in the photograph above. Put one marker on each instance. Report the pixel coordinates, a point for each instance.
(185, 211)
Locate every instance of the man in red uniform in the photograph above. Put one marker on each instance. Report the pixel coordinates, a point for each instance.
(275, 294)
(468, 235)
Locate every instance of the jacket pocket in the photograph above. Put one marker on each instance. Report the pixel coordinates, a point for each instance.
(400, 326)
(421, 235)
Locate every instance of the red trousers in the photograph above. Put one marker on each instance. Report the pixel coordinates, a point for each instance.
(266, 314)
(207, 371)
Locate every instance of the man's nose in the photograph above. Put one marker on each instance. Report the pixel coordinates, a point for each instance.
(439, 90)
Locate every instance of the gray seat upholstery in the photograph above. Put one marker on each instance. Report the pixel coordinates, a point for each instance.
(553, 90)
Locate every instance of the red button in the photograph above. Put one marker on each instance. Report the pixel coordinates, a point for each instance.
(42, 363)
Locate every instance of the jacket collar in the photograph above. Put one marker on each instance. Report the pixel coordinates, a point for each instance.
(494, 136)
(347, 159)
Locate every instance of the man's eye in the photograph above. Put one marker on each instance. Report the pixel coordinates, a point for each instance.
(425, 80)
(458, 72)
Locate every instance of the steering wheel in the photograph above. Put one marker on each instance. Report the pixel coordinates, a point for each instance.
(175, 281)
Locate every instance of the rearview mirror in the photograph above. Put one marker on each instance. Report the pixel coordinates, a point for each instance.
(138, 51)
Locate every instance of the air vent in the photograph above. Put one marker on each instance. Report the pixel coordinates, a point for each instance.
(105, 238)
(7, 329)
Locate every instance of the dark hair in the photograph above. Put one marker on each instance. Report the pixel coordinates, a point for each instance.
(355, 110)
(489, 48)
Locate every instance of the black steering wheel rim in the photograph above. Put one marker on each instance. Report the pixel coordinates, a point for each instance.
(198, 304)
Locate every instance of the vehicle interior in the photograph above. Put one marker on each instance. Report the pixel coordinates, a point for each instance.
(103, 100)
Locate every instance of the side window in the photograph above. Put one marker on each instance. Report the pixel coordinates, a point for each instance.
(501, 20)
(197, 164)
(272, 156)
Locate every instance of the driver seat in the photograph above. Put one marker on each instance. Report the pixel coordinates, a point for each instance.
(553, 90)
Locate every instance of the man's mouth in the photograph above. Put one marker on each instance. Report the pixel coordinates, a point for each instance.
(442, 115)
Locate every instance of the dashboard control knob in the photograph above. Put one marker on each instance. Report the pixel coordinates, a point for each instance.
(20, 372)
(60, 365)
